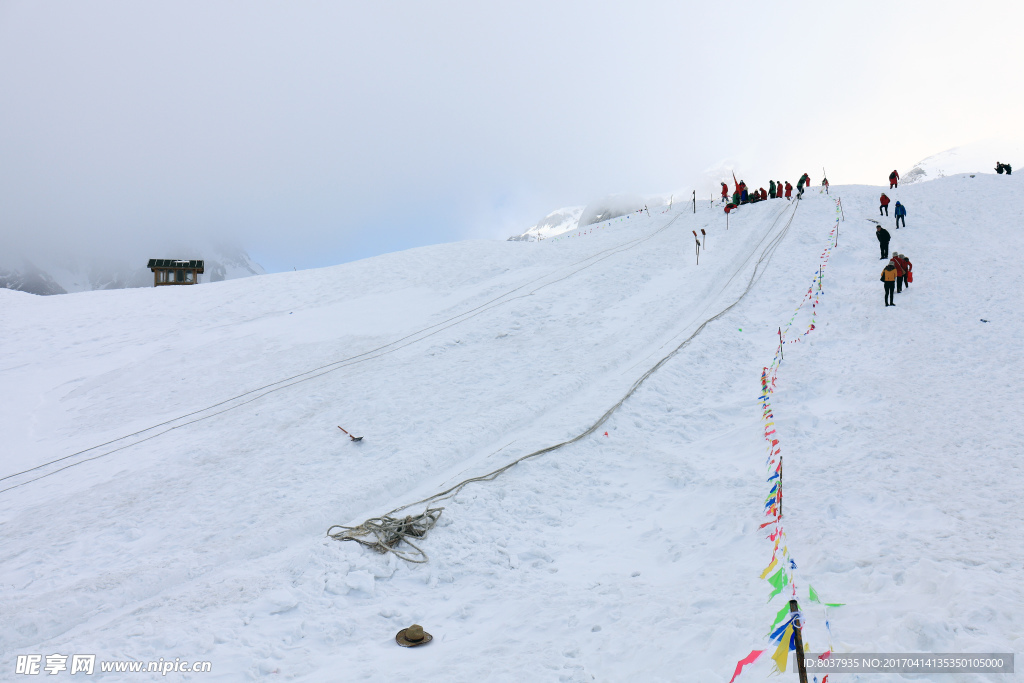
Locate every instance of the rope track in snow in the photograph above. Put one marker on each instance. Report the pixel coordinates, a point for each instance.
(391, 528)
(322, 370)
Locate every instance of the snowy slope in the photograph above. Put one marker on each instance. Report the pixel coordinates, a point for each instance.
(631, 556)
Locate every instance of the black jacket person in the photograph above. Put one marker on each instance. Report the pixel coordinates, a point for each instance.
(883, 241)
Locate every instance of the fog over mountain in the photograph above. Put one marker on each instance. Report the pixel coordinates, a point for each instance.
(63, 271)
(312, 134)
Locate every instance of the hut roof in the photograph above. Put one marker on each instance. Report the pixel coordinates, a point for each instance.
(175, 263)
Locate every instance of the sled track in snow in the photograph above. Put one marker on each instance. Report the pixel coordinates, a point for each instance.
(235, 401)
(759, 268)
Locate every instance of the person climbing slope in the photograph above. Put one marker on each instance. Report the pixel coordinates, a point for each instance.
(804, 179)
(901, 214)
(883, 241)
(725, 192)
(764, 194)
(900, 273)
(908, 269)
(889, 281)
(789, 190)
(894, 179)
(771, 188)
(883, 205)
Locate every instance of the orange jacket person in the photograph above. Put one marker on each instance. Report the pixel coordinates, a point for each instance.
(889, 280)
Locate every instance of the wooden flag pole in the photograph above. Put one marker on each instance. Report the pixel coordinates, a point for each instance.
(801, 667)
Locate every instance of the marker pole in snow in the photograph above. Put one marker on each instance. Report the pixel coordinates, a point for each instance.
(697, 241)
(841, 212)
(798, 637)
(695, 201)
(794, 606)
(781, 354)
(705, 236)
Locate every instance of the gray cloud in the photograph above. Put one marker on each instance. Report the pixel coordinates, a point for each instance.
(313, 133)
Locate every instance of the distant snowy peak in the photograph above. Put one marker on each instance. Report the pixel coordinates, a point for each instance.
(29, 279)
(555, 223)
(570, 218)
(979, 157)
(64, 275)
(610, 207)
(232, 264)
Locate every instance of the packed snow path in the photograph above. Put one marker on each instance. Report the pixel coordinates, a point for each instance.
(622, 557)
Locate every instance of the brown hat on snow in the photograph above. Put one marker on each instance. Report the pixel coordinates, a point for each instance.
(413, 636)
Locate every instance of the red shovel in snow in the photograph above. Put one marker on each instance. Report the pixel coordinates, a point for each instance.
(354, 438)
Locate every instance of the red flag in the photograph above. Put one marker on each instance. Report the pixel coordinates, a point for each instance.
(749, 659)
(735, 182)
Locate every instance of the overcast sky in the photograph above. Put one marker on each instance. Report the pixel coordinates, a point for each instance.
(314, 133)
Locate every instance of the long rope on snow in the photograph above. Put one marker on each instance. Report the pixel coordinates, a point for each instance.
(390, 531)
(322, 370)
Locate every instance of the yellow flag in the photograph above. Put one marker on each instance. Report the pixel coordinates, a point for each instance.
(781, 655)
(769, 569)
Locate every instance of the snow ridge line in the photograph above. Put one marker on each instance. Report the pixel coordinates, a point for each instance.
(759, 268)
(322, 370)
(789, 622)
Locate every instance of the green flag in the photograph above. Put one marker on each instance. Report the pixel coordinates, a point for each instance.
(778, 580)
(783, 613)
(813, 597)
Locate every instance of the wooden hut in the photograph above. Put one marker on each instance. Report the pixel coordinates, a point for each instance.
(175, 271)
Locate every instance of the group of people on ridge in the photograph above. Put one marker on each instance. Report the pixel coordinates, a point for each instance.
(1001, 167)
(776, 190)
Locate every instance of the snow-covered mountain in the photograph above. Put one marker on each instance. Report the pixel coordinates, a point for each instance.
(979, 157)
(555, 223)
(573, 217)
(80, 272)
(172, 459)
